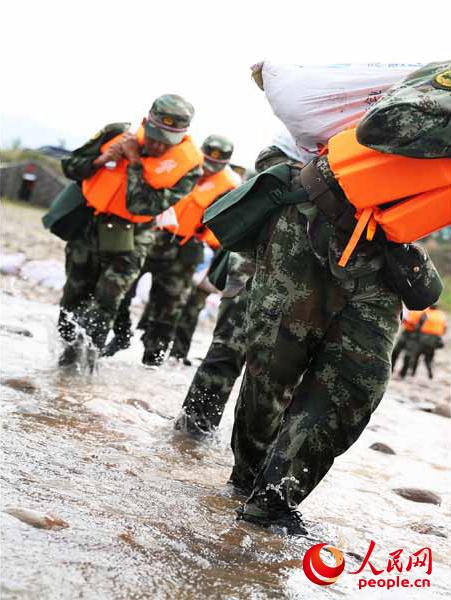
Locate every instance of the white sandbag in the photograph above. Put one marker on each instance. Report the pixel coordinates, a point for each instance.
(316, 102)
(285, 142)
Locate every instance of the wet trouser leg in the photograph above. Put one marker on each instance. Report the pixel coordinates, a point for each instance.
(123, 322)
(172, 267)
(118, 271)
(415, 359)
(214, 379)
(334, 340)
(187, 322)
(428, 359)
(82, 272)
(331, 407)
(405, 365)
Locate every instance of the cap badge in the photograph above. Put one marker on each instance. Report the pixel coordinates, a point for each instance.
(443, 80)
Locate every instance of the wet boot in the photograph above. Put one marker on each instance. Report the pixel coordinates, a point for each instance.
(79, 355)
(187, 424)
(272, 508)
(67, 328)
(122, 330)
(70, 356)
(96, 325)
(118, 343)
(156, 339)
(269, 509)
(289, 521)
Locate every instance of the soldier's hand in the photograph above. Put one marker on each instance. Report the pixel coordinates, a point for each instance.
(130, 147)
(113, 154)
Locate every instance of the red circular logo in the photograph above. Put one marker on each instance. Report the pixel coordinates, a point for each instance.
(317, 571)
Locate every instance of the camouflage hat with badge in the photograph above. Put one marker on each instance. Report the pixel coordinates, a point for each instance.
(169, 119)
(217, 151)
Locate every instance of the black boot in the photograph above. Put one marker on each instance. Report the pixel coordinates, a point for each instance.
(272, 508)
(155, 355)
(70, 356)
(187, 424)
(156, 340)
(290, 521)
(119, 342)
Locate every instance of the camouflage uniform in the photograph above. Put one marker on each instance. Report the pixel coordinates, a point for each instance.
(326, 331)
(400, 345)
(427, 345)
(214, 379)
(172, 266)
(98, 281)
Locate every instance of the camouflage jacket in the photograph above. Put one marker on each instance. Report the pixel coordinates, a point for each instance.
(414, 118)
(241, 267)
(141, 198)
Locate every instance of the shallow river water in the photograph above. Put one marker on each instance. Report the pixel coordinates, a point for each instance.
(149, 512)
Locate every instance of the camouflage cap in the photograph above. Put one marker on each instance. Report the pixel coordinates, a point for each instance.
(217, 151)
(268, 157)
(169, 119)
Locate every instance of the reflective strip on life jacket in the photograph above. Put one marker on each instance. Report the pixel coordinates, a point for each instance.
(106, 190)
(190, 209)
(420, 187)
(435, 324)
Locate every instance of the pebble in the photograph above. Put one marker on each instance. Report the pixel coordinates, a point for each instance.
(380, 447)
(36, 519)
(419, 495)
(16, 330)
(443, 409)
(428, 529)
(22, 385)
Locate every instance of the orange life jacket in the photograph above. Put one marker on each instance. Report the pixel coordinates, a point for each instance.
(412, 319)
(207, 236)
(106, 190)
(190, 209)
(435, 324)
(419, 187)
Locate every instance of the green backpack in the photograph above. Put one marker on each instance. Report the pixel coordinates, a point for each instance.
(239, 218)
(68, 214)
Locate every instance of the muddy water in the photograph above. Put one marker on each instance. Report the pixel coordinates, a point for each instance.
(148, 510)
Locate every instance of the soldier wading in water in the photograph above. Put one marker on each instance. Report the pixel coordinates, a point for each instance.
(324, 307)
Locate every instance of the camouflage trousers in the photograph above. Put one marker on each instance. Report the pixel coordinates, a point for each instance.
(172, 267)
(214, 379)
(329, 342)
(186, 325)
(96, 284)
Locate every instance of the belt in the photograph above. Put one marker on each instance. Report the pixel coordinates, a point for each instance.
(334, 206)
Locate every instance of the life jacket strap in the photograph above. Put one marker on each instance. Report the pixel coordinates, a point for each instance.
(364, 220)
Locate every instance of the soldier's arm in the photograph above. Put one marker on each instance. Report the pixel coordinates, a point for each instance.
(80, 164)
(414, 117)
(144, 200)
